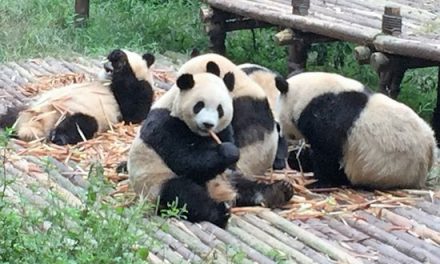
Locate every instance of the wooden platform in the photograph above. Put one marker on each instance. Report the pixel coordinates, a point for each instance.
(343, 226)
(358, 21)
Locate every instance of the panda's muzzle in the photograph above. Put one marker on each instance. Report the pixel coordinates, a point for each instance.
(108, 67)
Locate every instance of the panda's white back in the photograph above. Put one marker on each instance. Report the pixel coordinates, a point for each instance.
(389, 144)
(45, 111)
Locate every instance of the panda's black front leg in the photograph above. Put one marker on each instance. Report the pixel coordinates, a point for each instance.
(327, 171)
(252, 193)
(68, 131)
(196, 199)
(281, 154)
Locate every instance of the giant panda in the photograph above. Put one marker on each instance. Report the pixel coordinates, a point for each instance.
(357, 137)
(255, 131)
(173, 157)
(269, 80)
(69, 114)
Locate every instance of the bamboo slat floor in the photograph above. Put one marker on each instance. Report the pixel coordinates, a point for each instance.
(342, 226)
(356, 21)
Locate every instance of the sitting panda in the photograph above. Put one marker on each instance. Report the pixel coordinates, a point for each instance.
(69, 114)
(357, 137)
(174, 157)
(269, 81)
(255, 131)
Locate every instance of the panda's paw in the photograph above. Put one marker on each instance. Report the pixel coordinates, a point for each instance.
(229, 151)
(122, 167)
(221, 215)
(278, 194)
(58, 138)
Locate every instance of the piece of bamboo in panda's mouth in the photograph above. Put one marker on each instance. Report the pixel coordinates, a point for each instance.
(214, 136)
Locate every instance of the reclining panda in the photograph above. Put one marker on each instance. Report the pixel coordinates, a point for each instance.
(69, 114)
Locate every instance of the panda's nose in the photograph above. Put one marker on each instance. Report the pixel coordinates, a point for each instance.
(208, 125)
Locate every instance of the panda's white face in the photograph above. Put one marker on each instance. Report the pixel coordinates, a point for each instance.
(206, 106)
(121, 60)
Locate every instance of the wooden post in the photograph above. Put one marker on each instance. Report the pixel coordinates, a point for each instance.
(300, 7)
(435, 122)
(391, 70)
(81, 12)
(392, 21)
(297, 60)
(214, 20)
(362, 54)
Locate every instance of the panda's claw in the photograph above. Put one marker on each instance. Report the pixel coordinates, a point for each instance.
(223, 213)
(278, 194)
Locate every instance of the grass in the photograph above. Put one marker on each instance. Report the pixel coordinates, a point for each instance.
(100, 231)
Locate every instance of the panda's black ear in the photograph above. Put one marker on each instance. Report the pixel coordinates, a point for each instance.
(149, 58)
(213, 68)
(281, 84)
(185, 81)
(229, 80)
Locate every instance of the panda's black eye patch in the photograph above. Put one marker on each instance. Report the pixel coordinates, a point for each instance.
(198, 107)
(220, 111)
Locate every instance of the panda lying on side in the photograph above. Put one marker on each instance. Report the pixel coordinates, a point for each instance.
(65, 115)
(173, 156)
(357, 137)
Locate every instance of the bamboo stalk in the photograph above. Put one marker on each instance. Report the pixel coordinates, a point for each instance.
(388, 253)
(403, 232)
(399, 220)
(309, 238)
(263, 236)
(229, 239)
(177, 245)
(213, 242)
(154, 259)
(386, 237)
(193, 242)
(286, 239)
(215, 137)
(167, 254)
(430, 221)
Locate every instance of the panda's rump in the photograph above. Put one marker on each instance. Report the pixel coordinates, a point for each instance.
(147, 171)
(97, 101)
(93, 99)
(389, 146)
